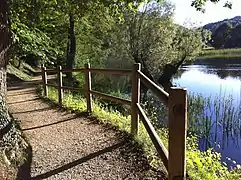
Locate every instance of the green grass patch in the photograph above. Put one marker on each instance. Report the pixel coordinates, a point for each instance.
(200, 165)
(221, 54)
(17, 73)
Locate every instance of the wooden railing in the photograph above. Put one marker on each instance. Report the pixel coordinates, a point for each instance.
(174, 158)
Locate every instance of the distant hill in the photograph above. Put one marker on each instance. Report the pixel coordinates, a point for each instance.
(225, 33)
(213, 26)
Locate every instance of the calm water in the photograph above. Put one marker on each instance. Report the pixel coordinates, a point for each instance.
(213, 78)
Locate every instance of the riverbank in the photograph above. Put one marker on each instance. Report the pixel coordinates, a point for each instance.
(198, 163)
(221, 54)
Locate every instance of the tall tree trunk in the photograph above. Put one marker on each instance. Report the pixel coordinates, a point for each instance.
(5, 42)
(71, 48)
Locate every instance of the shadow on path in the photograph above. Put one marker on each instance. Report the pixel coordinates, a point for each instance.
(22, 93)
(25, 169)
(35, 110)
(77, 162)
(46, 125)
(26, 101)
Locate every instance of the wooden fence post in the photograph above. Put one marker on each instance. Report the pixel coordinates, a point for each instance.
(44, 80)
(60, 85)
(135, 98)
(177, 106)
(88, 88)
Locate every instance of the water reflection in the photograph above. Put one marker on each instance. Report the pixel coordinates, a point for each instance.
(220, 85)
(223, 68)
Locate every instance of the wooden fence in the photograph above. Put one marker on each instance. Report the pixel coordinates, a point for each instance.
(174, 158)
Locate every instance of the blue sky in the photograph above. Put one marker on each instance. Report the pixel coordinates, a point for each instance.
(214, 12)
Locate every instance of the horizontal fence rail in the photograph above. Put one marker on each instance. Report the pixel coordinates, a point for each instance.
(72, 70)
(112, 71)
(71, 88)
(52, 85)
(173, 158)
(64, 70)
(111, 98)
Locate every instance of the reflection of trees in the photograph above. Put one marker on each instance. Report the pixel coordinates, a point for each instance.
(222, 74)
(221, 68)
(179, 73)
(231, 73)
(219, 62)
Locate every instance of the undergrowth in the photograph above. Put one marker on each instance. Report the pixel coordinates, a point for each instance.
(200, 165)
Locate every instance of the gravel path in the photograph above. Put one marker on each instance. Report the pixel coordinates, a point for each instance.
(72, 147)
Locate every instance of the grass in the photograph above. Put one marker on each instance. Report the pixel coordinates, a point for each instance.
(208, 114)
(200, 165)
(221, 54)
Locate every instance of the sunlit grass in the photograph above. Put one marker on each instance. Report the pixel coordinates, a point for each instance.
(18, 73)
(221, 54)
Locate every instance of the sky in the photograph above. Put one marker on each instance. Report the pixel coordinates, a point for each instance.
(214, 12)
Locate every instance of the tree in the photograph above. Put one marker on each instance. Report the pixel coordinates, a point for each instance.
(152, 39)
(235, 37)
(32, 27)
(75, 10)
(148, 37)
(198, 4)
(5, 41)
(222, 35)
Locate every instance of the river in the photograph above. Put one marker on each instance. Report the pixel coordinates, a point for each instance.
(217, 79)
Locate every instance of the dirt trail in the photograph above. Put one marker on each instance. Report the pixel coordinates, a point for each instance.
(69, 146)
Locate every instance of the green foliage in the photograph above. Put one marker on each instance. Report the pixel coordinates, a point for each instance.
(32, 41)
(207, 165)
(108, 34)
(235, 37)
(200, 165)
(117, 41)
(226, 35)
(32, 24)
(151, 38)
(221, 35)
(199, 4)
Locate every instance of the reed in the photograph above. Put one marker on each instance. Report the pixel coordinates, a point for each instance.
(212, 118)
